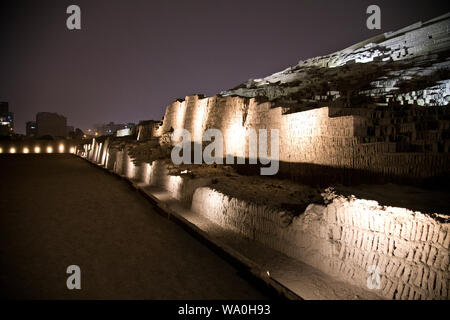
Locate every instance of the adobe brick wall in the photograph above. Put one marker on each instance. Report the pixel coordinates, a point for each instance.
(311, 137)
(345, 238)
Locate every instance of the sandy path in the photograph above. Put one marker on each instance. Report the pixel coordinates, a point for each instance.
(57, 210)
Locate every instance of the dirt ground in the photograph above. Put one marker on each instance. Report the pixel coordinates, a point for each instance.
(57, 210)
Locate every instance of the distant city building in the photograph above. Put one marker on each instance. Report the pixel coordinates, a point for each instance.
(51, 124)
(6, 120)
(111, 128)
(31, 129)
(124, 132)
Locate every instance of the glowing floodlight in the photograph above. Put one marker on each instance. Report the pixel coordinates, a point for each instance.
(61, 148)
(72, 150)
(49, 149)
(1, 150)
(37, 149)
(12, 150)
(26, 150)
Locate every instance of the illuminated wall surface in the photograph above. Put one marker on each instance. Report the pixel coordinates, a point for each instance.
(343, 238)
(316, 137)
(410, 249)
(329, 137)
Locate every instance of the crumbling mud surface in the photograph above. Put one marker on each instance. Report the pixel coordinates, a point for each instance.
(345, 237)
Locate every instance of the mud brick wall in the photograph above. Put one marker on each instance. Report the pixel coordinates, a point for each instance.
(229, 115)
(253, 221)
(143, 173)
(313, 137)
(307, 137)
(129, 169)
(147, 129)
(197, 114)
(119, 163)
(173, 117)
(410, 251)
(104, 152)
(111, 159)
(313, 144)
(376, 158)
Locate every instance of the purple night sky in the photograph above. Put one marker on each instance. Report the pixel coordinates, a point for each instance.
(132, 58)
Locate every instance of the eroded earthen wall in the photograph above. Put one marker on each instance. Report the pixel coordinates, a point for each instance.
(348, 238)
(312, 142)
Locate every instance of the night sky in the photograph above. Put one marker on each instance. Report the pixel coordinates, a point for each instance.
(133, 57)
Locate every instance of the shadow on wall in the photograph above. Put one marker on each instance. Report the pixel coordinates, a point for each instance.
(425, 170)
(322, 175)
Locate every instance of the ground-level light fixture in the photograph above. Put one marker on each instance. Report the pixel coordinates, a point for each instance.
(12, 150)
(26, 150)
(49, 149)
(61, 148)
(37, 149)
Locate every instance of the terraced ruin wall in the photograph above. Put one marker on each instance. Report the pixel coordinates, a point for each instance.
(351, 239)
(355, 240)
(312, 144)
